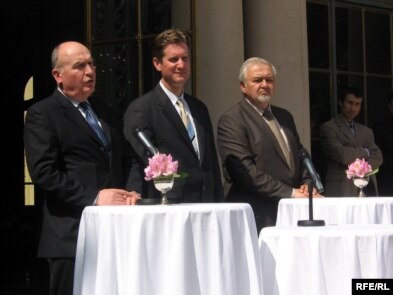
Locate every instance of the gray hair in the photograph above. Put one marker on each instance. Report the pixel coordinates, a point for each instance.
(252, 61)
(55, 57)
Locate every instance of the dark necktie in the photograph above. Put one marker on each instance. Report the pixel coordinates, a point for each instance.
(92, 120)
(351, 127)
(267, 114)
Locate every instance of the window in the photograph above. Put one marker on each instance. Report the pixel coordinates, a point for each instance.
(349, 44)
(29, 186)
(120, 33)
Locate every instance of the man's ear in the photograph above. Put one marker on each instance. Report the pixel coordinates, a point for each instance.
(57, 75)
(157, 63)
(243, 87)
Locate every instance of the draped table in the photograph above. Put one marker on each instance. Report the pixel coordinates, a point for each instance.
(179, 249)
(351, 210)
(324, 260)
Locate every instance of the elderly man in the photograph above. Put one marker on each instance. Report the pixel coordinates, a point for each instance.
(259, 146)
(77, 156)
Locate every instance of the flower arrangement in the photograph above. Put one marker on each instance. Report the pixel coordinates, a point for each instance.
(161, 165)
(359, 168)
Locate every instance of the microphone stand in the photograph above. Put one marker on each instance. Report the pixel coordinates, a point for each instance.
(310, 221)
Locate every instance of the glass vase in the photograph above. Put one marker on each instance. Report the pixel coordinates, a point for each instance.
(164, 184)
(361, 182)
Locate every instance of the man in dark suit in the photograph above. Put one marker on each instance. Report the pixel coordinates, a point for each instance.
(259, 146)
(343, 141)
(69, 161)
(160, 114)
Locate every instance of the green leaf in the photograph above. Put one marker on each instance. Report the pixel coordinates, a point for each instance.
(180, 175)
(372, 172)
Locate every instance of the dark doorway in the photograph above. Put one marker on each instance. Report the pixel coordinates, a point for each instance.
(29, 31)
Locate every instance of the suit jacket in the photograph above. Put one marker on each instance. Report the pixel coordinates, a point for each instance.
(341, 147)
(251, 155)
(67, 163)
(156, 115)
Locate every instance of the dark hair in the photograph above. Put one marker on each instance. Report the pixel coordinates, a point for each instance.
(170, 36)
(351, 90)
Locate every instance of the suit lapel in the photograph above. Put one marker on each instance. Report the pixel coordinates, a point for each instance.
(289, 135)
(344, 129)
(264, 128)
(74, 116)
(172, 115)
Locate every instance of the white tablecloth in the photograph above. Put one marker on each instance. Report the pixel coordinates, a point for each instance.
(323, 260)
(180, 249)
(372, 210)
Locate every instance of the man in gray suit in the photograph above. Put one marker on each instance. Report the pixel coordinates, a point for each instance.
(342, 141)
(177, 124)
(262, 167)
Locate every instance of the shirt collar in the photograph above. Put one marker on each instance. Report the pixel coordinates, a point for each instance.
(173, 97)
(73, 101)
(258, 110)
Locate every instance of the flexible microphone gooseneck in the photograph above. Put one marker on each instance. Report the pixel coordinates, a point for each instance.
(318, 186)
(140, 134)
(311, 170)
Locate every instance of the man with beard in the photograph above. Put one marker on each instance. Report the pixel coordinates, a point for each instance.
(259, 146)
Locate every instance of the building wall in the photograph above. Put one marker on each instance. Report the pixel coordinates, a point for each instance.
(274, 30)
(219, 53)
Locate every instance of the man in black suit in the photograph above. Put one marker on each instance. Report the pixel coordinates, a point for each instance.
(159, 113)
(69, 161)
(259, 146)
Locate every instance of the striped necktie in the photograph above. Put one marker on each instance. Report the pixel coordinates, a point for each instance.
(92, 120)
(187, 123)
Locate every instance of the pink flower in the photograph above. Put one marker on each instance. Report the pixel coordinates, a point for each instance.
(359, 168)
(160, 165)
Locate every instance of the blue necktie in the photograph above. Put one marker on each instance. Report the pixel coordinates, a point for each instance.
(187, 123)
(93, 122)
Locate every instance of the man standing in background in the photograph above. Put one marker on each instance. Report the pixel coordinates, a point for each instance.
(343, 141)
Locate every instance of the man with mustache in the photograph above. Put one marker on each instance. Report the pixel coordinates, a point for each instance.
(259, 145)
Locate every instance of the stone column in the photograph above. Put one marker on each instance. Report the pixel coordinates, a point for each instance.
(219, 53)
(277, 31)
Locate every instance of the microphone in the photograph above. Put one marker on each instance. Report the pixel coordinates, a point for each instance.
(311, 170)
(140, 134)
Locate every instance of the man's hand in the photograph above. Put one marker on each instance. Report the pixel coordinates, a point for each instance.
(133, 198)
(302, 192)
(114, 196)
